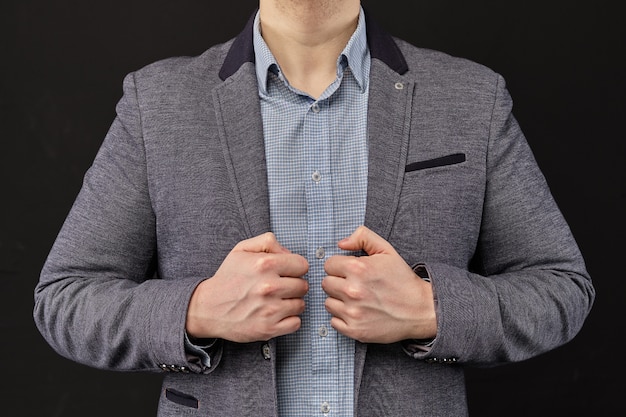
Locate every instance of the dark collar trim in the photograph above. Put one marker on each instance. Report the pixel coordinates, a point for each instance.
(241, 51)
(383, 47)
(381, 44)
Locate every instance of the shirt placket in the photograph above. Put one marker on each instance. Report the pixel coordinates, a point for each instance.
(320, 245)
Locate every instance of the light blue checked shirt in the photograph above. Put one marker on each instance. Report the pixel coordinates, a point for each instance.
(316, 152)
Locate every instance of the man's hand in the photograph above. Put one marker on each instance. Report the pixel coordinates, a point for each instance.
(256, 294)
(377, 298)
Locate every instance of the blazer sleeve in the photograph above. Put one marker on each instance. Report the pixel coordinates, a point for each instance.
(98, 300)
(528, 291)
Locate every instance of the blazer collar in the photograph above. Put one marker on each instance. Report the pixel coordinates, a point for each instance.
(381, 44)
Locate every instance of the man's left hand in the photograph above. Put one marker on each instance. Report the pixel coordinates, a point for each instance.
(377, 298)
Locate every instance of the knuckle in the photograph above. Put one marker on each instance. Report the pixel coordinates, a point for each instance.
(268, 240)
(354, 313)
(357, 266)
(360, 231)
(266, 287)
(271, 310)
(264, 264)
(354, 292)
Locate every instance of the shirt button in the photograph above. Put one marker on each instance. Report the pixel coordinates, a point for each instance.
(322, 331)
(316, 176)
(315, 108)
(320, 253)
(325, 408)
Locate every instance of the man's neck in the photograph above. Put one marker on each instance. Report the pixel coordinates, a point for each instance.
(306, 38)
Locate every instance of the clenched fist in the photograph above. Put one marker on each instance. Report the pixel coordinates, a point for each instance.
(377, 298)
(256, 294)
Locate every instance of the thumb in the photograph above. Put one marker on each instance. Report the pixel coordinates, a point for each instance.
(266, 242)
(367, 240)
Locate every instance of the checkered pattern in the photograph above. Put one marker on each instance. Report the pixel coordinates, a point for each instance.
(316, 153)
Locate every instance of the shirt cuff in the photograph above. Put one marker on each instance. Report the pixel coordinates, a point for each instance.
(200, 349)
(415, 347)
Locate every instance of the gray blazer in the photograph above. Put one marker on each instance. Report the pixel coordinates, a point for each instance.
(181, 178)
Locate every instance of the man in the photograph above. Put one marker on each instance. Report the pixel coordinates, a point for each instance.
(312, 219)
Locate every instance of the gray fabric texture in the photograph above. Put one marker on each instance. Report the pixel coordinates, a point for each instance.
(180, 179)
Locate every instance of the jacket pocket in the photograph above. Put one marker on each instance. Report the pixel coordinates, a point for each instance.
(455, 158)
(181, 398)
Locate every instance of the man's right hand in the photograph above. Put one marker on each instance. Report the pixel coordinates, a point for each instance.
(255, 295)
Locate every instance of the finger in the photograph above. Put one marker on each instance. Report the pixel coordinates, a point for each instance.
(343, 266)
(266, 242)
(287, 317)
(337, 265)
(340, 325)
(287, 325)
(367, 240)
(334, 306)
(293, 307)
(333, 285)
(291, 265)
(280, 264)
(288, 287)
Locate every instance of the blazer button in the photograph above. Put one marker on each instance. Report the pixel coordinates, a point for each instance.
(447, 361)
(267, 353)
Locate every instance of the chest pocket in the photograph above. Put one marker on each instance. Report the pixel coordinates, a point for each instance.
(455, 158)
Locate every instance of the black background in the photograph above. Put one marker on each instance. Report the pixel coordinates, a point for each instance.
(62, 64)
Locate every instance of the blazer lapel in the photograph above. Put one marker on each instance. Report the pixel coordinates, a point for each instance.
(389, 117)
(240, 125)
(241, 130)
(241, 133)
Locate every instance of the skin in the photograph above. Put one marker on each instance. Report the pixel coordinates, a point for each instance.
(307, 36)
(377, 298)
(257, 293)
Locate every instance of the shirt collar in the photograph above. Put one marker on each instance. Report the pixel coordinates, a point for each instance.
(355, 55)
